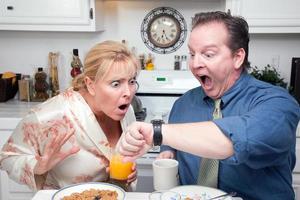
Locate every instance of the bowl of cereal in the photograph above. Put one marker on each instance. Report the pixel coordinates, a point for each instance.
(90, 191)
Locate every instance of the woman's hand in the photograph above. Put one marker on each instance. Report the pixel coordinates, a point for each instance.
(133, 176)
(166, 154)
(53, 154)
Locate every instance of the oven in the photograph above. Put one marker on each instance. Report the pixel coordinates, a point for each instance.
(158, 90)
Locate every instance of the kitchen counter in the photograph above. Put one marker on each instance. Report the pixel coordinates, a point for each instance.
(12, 111)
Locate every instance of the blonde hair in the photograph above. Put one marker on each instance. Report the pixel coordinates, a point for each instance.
(101, 58)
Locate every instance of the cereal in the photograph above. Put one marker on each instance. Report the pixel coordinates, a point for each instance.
(93, 194)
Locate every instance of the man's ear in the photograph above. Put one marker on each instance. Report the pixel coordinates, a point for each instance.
(238, 58)
(89, 85)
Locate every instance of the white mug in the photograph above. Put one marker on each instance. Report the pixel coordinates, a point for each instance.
(165, 174)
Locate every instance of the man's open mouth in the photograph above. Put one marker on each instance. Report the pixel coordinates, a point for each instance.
(206, 81)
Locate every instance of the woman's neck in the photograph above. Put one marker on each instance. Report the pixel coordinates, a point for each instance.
(111, 128)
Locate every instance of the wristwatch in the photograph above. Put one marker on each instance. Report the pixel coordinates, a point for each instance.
(157, 136)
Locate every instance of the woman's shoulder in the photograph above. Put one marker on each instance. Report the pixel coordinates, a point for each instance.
(57, 104)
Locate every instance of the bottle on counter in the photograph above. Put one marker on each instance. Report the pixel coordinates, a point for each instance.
(142, 61)
(76, 64)
(41, 86)
(184, 63)
(149, 62)
(177, 62)
(53, 76)
(25, 88)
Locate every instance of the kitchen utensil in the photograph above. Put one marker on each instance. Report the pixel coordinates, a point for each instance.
(231, 194)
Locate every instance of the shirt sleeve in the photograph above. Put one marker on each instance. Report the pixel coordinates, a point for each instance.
(17, 156)
(170, 121)
(264, 135)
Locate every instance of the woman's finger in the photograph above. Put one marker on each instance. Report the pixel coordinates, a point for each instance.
(66, 137)
(132, 177)
(64, 155)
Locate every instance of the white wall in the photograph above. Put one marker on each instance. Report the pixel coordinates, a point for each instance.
(23, 51)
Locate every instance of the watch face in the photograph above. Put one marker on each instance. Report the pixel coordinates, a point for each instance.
(163, 30)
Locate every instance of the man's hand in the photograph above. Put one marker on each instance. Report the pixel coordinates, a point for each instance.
(166, 154)
(135, 141)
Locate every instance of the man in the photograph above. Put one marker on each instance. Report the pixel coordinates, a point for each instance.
(254, 136)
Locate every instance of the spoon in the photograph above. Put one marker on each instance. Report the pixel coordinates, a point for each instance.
(231, 194)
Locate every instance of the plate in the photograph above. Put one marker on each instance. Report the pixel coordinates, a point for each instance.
(68, 190)
(196, 192)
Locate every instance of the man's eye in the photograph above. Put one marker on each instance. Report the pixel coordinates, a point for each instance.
(192, 55)
(208, 54)
(115, 84)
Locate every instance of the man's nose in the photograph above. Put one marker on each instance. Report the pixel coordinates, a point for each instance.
(197, 61)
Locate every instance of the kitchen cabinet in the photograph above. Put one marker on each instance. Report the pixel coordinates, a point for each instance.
(51, 15)
(11, 112)
(268, 16)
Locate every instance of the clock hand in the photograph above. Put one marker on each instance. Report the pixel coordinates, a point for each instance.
(164, 33)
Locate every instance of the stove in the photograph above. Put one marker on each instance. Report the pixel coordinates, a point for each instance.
(159, 90)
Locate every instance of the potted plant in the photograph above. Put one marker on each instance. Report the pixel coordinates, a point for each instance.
(268, 74)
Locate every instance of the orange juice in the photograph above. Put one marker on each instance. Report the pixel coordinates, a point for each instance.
(119, 170)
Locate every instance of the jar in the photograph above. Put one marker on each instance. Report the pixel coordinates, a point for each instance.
(176, 62)
(184, 64)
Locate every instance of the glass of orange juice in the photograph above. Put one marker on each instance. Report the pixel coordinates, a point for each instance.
(119, 170)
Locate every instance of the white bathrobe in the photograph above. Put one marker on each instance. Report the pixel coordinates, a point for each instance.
(67, 112)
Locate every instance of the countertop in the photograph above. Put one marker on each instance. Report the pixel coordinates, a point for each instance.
(12, 111)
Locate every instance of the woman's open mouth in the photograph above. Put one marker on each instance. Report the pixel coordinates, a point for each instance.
(124, 107)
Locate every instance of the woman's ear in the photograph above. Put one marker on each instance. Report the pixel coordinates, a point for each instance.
(238, 58)
(89, 85)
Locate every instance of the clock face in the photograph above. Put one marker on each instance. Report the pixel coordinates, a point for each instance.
(163, 30)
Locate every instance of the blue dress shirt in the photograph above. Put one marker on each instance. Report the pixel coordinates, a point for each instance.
(261, 120)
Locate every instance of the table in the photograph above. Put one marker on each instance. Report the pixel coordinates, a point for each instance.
(47, 194)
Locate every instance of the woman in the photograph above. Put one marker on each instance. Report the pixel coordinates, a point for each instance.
(69, 138)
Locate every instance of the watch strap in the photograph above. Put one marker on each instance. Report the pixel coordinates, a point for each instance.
(157, 135)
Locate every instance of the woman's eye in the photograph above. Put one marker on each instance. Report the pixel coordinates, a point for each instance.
(115, 83)
(192, 55)
(132, 82)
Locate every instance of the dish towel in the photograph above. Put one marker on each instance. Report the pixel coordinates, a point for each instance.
(208, 171)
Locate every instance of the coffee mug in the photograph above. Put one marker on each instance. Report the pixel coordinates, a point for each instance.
(165, 174)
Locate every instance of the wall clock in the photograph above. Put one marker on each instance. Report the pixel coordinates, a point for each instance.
(163, 30)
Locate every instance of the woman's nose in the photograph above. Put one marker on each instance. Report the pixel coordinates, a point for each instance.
(128, 90)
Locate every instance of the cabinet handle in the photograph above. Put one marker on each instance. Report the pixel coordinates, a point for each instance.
(10, 7)
(91, 13)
